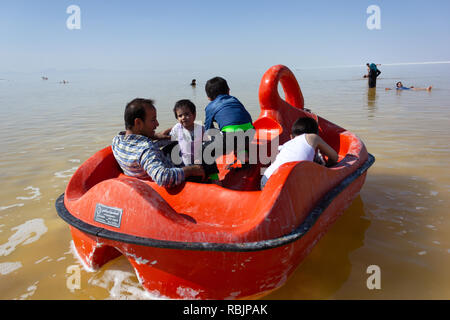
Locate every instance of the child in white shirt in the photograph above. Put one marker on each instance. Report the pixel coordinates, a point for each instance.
(302, 147)
(190, 137)
(188, 133)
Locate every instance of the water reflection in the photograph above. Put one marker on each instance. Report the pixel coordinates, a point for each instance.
(371, 101)
(328, 265)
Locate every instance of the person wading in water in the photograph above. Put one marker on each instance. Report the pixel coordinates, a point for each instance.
(373, 74)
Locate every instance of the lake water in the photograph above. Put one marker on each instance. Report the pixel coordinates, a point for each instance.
(400, 221)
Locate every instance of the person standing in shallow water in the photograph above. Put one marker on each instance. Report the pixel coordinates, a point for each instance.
(373, 74)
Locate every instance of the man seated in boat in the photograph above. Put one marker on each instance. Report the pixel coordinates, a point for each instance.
(302, 147)
(137, 154)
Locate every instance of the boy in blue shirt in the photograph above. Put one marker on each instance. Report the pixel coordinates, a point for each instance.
(227, 111)
(224, 109)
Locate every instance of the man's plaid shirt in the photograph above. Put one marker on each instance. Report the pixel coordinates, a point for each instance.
(139, 157)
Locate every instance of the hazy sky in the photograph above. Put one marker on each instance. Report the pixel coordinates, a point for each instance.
(122, 35)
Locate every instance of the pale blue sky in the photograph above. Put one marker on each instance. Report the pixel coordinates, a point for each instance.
(124, 35)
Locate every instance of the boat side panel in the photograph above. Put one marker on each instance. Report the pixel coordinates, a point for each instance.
(185, 274)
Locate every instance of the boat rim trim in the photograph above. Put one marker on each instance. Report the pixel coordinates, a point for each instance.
(294, 235)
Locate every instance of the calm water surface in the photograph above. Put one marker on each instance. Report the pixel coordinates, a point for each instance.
(400, 221)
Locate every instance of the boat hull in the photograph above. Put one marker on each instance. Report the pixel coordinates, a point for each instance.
(213, 274)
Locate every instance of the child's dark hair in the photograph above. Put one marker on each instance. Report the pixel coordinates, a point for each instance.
(184, 103)
(216, 86)
(304, 125)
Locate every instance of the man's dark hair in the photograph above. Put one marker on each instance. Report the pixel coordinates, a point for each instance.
(216, 86)
(304, 125)
(136, 110)
(184, 103)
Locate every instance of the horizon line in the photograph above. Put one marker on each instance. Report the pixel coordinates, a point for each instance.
(381, 64)
(47, 70)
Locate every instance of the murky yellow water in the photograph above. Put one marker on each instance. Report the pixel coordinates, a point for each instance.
(400, 221)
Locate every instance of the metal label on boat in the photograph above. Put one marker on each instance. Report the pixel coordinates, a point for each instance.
(108, 215)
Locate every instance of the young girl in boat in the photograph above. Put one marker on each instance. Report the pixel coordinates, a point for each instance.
(302, 147)
(189, 135)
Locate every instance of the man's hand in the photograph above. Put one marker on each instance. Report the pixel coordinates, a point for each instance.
(195, 170)
(163, 135)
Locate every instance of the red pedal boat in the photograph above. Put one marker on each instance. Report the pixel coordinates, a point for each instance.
(203, 241)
